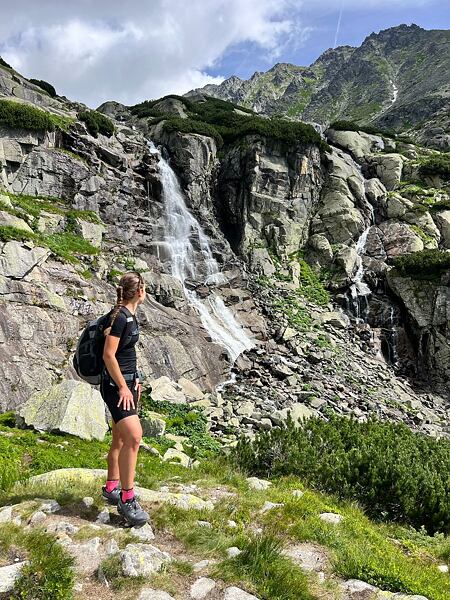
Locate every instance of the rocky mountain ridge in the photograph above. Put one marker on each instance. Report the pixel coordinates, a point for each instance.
(397, 79)
(260, 203)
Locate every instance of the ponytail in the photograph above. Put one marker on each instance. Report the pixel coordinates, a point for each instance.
(129, 284)
(118, 304)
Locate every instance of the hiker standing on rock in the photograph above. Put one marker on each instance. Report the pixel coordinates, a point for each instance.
(121, 390)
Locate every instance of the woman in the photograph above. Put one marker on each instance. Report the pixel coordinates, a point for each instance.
(121, 391)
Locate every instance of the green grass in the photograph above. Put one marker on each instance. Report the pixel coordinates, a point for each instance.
(49, 574)
(67, 244)
(23, 116)
(97, 123)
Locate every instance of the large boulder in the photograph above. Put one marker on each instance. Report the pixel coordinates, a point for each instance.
(442, 220)
(399, 238)
(8, 576)
(358, 143)
(70, 407)
(142, 560)
(16, 260)
(9, 220)
(388, 168)
(165, 390)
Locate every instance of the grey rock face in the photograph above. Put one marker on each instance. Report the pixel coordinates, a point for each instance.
(9, 574)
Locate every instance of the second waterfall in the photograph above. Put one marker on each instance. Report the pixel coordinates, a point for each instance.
(182, 231)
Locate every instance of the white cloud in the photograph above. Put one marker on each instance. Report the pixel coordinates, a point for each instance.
(99, 51)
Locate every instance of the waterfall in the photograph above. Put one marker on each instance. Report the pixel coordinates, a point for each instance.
(191, 258)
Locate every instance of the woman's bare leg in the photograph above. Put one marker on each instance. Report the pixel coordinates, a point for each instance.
(113, 454)
(130, 432)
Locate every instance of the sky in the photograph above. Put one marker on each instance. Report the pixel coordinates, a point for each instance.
(93, 50)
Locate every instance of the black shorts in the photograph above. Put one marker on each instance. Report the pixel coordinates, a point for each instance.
(110, 394)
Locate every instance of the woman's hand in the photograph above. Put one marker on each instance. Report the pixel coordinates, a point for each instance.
(126, 398)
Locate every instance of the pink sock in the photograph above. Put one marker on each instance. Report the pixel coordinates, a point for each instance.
(127, 494)
(111, 484)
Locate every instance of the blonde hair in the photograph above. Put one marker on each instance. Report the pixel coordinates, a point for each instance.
(129, 284)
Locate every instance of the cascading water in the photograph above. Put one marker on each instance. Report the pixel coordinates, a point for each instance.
(182, 232)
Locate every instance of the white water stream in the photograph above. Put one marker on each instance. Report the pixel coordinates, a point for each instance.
(191, 258)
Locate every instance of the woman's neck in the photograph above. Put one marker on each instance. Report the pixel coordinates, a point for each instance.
(132, 307)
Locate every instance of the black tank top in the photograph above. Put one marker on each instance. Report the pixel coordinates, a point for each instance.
(126, 328)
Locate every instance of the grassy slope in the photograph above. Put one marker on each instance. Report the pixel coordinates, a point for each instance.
(393, 557)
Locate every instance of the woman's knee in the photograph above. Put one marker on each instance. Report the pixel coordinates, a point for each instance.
(130, 433)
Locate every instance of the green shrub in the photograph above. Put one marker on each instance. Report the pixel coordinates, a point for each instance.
(192, 126)
(426, 264)
(3, 63)
(47, 87)
(393, 472)
(436, 165)
(96, 123)
(343, 125)
(23, 116)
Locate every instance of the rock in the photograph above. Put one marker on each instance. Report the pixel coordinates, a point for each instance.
(199, 566)
(334, 318)
(206, 524)
(260, 262)
(153, 424)
(333, 518)
(6, 219)
(442, 220)
(142, 560)
(270, 505)
(308, 556)
(50, 506)
(92, 232)
(17, 261)
(103, 516)
(297, 493)
(37, 518)
(443, 568)
(150, 594)
(258, 484)
(191, 391)
(232, 524)
(354, 589)
(201, 588)
(144, 533)
(319, 251)
(165, 390)
(399, 238)
(358, 143)
(9, 574)
(297, 411)
(235, 593)
(388, 168)
(174, 455)
(87, 555)
(69, 407)
(50, 222)
(111, 546)
(87, 502)
(233, 551)
(6, 514)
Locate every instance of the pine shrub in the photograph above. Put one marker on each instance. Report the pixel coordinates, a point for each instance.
(425, 264)
(393, 472)
(44, 85)
(436, 165)
(96, 123)
(23, 116)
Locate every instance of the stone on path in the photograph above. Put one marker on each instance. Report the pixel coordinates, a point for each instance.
(235, 593)
(142, 559)
(87, 556)
(309, 557)
(270, 505)
(354, 589)
(201, 588)
(144, 533)
(9, 574)
(149, 594)
(233, 551)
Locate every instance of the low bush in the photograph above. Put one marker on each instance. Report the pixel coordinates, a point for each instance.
(3, 63)
(23, 116)
(193, 126)
(96, 123)
(426, 264)
(393, 472)
(343, 125)
(436, 165)
(44, 85)
(49, 573)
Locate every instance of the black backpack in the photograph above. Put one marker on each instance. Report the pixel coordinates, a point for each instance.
(88, 358)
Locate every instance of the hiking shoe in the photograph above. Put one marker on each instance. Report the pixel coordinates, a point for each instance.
(132, 512)
(113, 496)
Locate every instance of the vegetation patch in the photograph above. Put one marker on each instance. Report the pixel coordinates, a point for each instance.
(224, 121)
(438, 164)
(96, 123)
(44, 85)
(49, 574)
(343, 125)
(3, 63)
(426, 264)
(395, 473)
(23, 116)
